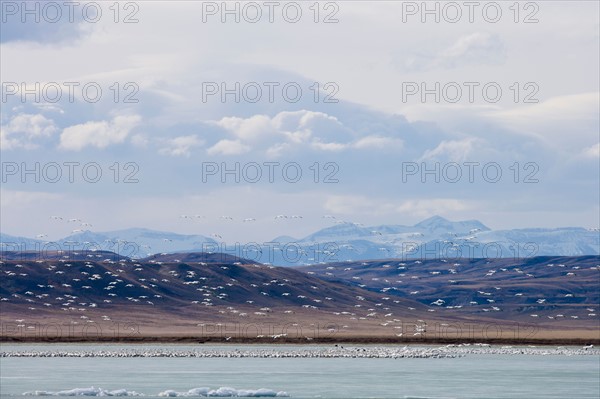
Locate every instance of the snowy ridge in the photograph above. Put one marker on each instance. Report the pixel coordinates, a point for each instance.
(434, 237)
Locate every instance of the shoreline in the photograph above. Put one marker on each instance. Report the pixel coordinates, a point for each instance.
(304, 352)
(301, 341)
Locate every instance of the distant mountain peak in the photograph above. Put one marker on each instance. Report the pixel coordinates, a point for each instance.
(431, 221)
(437, 222)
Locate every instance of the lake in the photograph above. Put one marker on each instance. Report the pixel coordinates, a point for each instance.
(472, 376)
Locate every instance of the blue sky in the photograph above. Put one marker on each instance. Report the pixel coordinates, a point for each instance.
(361, 144)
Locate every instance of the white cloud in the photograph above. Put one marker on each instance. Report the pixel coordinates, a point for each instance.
(378, 142)
(568, 122)
(248, 129)
(574, 106)
(98, 134)
(49, 108)
(181, 146)
(452, 150)
(170, 75)
(295, 126)
(365, 143)
(430, 207)
(592, 152)
(228, 147)
(23, 130)
(478, 48)
(289, 129)
(277, 150)
(328, 146)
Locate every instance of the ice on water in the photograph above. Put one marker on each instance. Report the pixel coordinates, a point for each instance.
(226, 392)
(91, 391)
(223, 392)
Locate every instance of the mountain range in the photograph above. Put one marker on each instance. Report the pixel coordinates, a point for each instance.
(433, 238)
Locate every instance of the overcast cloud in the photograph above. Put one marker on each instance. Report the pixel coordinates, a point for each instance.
(160, 127)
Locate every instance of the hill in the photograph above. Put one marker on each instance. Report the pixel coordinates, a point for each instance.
(200, 297)
(548, 291)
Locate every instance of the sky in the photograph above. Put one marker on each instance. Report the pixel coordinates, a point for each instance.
(192, 117)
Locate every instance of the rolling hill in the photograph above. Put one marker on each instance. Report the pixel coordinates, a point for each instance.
(199, 297)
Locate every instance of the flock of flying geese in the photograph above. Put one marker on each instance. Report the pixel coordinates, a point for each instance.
(107, 276)
(82, 225)
(122, 277)
(488, 300)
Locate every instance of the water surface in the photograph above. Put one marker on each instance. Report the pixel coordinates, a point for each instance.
(473, 376)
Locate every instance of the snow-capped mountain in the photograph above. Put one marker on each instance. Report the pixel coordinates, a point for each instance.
(15, 243)
(433, 238)
(439, 238)
(134, 243)
(434, 227)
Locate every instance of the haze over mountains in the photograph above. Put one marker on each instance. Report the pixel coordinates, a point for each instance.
(433, 238)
